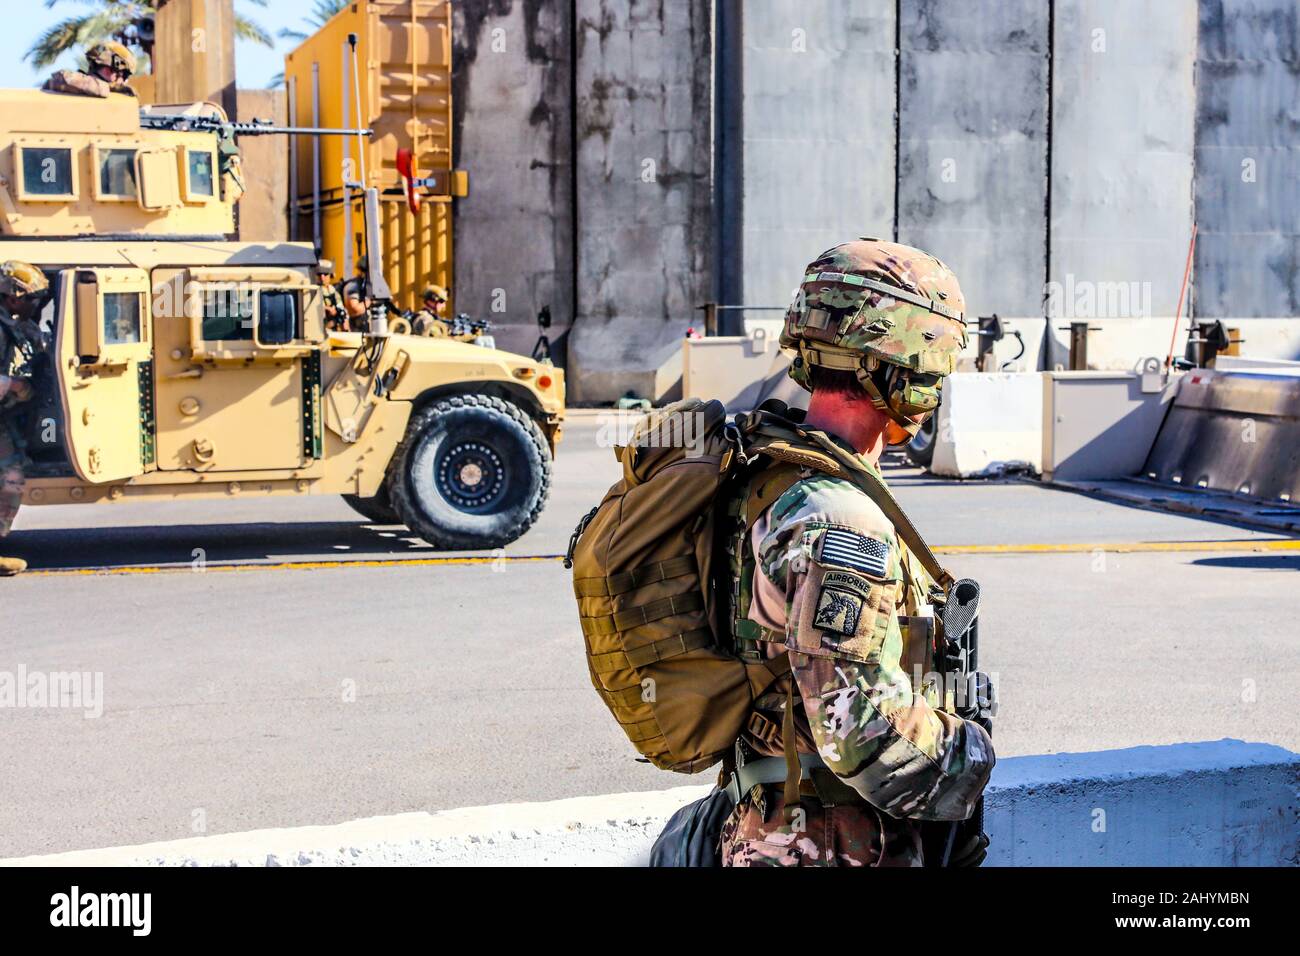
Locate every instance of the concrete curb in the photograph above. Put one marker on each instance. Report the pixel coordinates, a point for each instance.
(1225, 803)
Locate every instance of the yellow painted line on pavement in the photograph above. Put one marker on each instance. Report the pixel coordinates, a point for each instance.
(1267, 544)
(1284, 544)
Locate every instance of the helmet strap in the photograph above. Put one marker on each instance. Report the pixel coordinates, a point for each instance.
(867, 380)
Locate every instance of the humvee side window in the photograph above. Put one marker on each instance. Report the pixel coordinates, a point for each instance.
(47, 171)
(121, 317)
(117, 172)
(227, 314)
(199, 182)
(281, 321)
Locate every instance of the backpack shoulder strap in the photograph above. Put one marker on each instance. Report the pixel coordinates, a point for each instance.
(773, 436)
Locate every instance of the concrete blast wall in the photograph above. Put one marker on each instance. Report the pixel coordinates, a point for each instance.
(818, 135)
(630, 160)
(972, 172)
(1248, 159)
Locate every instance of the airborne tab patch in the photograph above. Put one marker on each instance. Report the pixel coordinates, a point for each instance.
(848, 549)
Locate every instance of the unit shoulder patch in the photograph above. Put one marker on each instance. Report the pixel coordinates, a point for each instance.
(838, 610)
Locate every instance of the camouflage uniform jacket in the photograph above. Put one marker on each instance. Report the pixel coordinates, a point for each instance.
(829, 581)
(430, 324)
(83, 84)
(335, 316)
(17, 349)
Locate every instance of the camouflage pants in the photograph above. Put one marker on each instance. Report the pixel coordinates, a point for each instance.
(12, 479)
(756, 834)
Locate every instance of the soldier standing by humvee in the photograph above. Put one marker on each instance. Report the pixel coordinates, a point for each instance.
(429, 320)
(356, 298)
(23, 290)
(335, 315)
(109, 66)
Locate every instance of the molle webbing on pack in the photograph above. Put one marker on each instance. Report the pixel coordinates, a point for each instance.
(643, 566)
(660, 642)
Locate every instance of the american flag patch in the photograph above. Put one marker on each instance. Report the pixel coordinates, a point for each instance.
(845, 549)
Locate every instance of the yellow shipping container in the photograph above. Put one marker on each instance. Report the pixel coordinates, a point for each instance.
(404, 70)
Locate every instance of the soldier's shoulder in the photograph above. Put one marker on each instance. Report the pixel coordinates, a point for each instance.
(74, 81)
(826, 499)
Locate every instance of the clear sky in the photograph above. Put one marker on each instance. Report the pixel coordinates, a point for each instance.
(255, 65)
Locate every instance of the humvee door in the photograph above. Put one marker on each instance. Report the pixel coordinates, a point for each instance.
(105, 373)
(238, 368)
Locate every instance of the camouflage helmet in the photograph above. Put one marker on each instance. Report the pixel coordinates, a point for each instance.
(434, 292)
(870, 304)
(113, 55)
(20, 279)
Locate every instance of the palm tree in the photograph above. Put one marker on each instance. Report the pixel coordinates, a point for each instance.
(320, 15)
(128, 21)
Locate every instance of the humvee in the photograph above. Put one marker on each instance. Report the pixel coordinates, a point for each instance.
(183, 364)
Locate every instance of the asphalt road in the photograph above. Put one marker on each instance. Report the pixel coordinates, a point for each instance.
(252, 696)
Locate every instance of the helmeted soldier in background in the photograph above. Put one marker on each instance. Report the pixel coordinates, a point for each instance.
(23, 291)
(109, 65)
(429, 320)
(824, 575)
(356, 297)
(335, 316)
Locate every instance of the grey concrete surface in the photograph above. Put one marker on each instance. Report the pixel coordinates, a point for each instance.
(262, 697)
(1247, 158)
(813, 176)
(972, 143)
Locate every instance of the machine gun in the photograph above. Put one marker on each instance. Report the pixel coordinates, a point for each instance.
(191, 123)
(464, 324)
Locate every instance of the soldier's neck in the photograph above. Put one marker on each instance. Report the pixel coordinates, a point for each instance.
(851, 419)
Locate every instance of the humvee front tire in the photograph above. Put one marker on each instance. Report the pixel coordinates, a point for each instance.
(472, 473)
(378, 509)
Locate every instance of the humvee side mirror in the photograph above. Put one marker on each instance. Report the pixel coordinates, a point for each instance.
(87, 315)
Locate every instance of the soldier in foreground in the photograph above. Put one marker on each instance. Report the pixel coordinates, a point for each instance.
(109, 65)
(23, 290)
(829, 579)
(750, 593)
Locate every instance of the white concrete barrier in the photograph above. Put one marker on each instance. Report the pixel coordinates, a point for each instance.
(989, 422)
(1223, 803)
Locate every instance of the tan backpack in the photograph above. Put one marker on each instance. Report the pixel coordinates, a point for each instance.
(644, 572)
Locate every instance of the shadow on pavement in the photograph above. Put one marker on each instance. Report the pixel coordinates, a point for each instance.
(213, 543)
(1255, 562)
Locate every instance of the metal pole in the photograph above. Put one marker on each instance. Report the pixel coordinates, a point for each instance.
(293, 160)
(356, 81)
(315, 157)
(1078, 346)
(347, 194)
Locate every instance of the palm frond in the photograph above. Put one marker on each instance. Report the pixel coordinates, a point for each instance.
(246, 29)
(56, 41)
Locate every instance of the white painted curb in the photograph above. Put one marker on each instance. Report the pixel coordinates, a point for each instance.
(1223, 803)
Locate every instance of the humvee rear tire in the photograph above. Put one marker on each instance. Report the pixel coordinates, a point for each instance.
(472, 473)
(378, 509)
